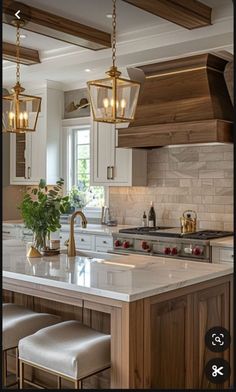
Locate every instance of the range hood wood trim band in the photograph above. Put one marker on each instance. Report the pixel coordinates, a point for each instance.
(159, 135)
(158, 75)
(201, 61)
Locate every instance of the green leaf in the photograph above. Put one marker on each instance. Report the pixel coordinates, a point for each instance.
(41, 210)
(52, 193)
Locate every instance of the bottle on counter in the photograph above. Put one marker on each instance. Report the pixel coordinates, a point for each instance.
(152, 216)
(144, 219)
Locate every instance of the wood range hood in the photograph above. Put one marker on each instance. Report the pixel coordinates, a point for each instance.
(182, 101)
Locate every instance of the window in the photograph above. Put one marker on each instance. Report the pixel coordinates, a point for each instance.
(92, 197)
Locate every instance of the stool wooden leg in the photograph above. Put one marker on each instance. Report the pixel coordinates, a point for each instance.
(21, 374)
(58, 382)
(78, 384)
(17, 364)
(17, 367)
(4, 367)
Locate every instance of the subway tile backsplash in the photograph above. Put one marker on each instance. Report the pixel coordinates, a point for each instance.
(181, 178)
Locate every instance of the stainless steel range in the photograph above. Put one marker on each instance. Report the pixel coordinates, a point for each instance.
(166, 241)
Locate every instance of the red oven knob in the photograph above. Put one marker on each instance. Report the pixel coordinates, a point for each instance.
(145, 245)
(117, 243)
(167, 251)
(174, 251)
(126, 244)
(197, 251)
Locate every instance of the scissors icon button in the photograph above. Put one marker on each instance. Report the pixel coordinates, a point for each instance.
(217, 370)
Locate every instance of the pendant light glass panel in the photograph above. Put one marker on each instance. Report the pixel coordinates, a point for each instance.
(20, 113)
(113, 99)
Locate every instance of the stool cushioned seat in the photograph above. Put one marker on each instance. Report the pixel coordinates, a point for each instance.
(18, 322)
(68, 348)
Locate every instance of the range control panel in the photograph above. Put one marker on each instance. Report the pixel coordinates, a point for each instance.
(168, 247)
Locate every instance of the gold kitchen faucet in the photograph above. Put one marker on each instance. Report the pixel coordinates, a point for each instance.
(71, 243)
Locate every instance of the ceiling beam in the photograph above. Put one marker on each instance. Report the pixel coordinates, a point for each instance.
(27, 56)
(190, 14)
(57, 27)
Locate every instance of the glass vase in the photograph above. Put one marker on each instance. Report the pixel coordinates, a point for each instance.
(40, 240)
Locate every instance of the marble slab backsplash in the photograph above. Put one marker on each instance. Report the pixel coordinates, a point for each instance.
(180, 178)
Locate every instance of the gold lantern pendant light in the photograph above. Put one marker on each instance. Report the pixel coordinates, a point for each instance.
(20, 111)
(114, 99)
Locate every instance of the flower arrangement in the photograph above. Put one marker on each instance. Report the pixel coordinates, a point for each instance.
(80, 196)
(41, 210)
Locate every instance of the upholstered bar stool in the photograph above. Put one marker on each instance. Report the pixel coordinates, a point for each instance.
(18, 322)
(68, 350)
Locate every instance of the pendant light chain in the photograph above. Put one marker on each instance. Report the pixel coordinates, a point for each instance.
(18, 54)
(114, 34)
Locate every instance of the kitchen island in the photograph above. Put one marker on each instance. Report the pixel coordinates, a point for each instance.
(156, 309)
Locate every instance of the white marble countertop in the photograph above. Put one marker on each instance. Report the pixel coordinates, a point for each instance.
(226, 242)
(125, 278)
(95, 229)
(90, 229)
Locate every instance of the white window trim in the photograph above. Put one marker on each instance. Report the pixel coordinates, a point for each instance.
(68, 126)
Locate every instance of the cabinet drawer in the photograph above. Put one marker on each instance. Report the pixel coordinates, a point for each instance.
(9, 232)
(83, 241)
(227, 254)
(103, 243)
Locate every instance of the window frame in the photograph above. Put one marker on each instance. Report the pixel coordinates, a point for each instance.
(69, 126)
(73, 137)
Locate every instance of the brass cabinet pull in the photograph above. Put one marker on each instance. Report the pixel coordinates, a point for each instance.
(110, 172)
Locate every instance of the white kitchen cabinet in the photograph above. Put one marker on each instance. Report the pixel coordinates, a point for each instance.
(36, 155)
(84, 241)
(93, 242)
(222, 254)
(115, 166)
(97, 243)
(15, 231)
(103, 243)
(10, 231)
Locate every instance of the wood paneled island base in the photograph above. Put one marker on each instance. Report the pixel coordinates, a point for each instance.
(157, 342)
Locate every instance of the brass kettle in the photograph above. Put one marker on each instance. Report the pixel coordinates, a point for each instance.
(188, 222)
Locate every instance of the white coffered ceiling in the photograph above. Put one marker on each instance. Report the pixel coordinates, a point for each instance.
(142, 38)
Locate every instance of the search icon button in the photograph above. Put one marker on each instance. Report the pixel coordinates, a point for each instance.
(217, 339)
